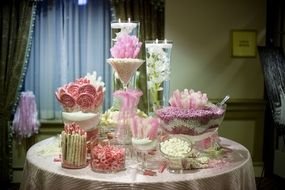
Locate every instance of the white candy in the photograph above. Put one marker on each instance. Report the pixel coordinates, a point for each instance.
(175, 147)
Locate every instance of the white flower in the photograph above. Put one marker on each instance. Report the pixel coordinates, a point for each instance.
(94, 80)
(158, 66)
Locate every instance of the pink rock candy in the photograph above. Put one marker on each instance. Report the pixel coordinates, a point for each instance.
(126, 47)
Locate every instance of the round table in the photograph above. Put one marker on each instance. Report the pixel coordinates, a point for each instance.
(42, 172)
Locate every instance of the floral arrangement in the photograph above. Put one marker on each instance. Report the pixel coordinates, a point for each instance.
(126, 47)
(85, 94)
(158, 71)
(188, 99)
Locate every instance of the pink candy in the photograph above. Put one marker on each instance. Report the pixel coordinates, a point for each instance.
(126, 47)
(80, 96)
(107, 158)
(188, 99)
(73, 128)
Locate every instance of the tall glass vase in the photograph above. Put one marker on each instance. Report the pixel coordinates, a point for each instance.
(158, 56)
(119, 28)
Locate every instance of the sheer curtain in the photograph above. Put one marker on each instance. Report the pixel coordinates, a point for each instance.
(69, 41)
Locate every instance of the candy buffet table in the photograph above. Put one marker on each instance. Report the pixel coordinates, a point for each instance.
(42, 172)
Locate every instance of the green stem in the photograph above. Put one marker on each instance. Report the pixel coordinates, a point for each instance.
(154, 95)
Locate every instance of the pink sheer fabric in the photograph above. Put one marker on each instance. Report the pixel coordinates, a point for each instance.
(41, 172)
(26, 122)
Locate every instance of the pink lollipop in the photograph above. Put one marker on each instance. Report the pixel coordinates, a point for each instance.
(85, 101)
(73, 89)
(67, 100)
(87, 88)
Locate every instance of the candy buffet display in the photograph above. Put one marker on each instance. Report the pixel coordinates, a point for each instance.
(180, 132)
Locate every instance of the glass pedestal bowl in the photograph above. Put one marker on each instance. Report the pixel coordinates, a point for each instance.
(175, 149)
(107, 157)
(200, 126)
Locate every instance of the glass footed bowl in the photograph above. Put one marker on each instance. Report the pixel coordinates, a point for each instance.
(175, 149)
(144, 144)
(191, 122)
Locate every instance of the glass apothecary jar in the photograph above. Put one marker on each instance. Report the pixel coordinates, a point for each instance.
(107, 156)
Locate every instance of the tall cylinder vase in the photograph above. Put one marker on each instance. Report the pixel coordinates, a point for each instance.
(119, 28)
(158, 58)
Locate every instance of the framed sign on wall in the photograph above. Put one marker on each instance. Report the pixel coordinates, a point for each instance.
(243, 43)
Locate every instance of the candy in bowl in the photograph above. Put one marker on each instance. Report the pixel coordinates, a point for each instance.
(175, 149)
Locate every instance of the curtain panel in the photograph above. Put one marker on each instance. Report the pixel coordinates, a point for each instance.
(150, 14)
(70, 40)
(15, 22)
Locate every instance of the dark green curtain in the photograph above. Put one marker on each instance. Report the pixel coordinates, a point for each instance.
(150, 14)
(15, 20)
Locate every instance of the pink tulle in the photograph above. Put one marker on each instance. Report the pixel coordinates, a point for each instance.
(26, 122)
(129, 100)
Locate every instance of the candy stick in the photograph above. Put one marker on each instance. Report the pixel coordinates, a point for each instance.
(67, 147)
(71, 148)
(63, 148)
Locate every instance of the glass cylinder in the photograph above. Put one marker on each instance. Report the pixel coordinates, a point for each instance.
(119, 28)
(86, 121)
(158, 58)
(107, 157)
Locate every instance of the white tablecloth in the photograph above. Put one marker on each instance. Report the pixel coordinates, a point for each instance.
(41, 172)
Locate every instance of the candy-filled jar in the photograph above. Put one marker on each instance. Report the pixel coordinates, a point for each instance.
(73, 145)
(107, 156)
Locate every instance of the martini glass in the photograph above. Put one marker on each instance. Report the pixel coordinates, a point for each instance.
(125, 68)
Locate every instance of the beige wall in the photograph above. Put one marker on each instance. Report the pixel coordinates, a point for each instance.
(200, 30)
(201, 60)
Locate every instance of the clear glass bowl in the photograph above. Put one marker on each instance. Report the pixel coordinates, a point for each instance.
(192, 122)
(107, 157)
(181, 151)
